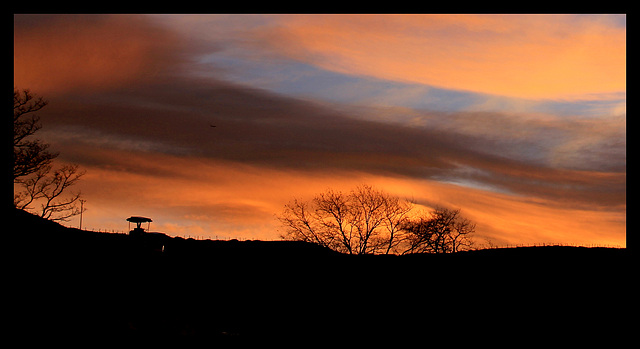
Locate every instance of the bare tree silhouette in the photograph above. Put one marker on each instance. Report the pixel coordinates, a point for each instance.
(29, 155)
(48, 189)
(369, 221)
(365, 221)
(33, 174)
(444, 231)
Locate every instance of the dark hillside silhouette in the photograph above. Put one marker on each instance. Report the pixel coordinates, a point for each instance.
(88, 287)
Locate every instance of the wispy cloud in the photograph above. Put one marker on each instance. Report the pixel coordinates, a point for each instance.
(520, 55)
(545, 64)
(257, 128)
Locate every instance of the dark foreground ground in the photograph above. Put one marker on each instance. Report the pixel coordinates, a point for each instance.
(91, 289)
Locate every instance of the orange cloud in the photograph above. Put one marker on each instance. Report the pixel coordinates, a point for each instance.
(521, 220)
(213, 198)
(199, 196)
(232, 180)
(57, 54)
(518, 56)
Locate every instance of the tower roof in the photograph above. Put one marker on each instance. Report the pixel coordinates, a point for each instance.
(135, 219)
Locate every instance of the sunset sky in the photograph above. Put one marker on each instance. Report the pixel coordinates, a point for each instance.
(518, 120)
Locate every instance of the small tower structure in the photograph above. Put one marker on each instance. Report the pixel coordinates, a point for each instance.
(138, 231)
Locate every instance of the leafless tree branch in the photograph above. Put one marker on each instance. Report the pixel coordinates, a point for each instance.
(445, 231)
(47, 189)
(365, 221)
(29, 155)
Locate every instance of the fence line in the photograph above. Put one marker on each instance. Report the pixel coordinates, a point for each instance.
(109, 231)
(592, 245)
(184, 236)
